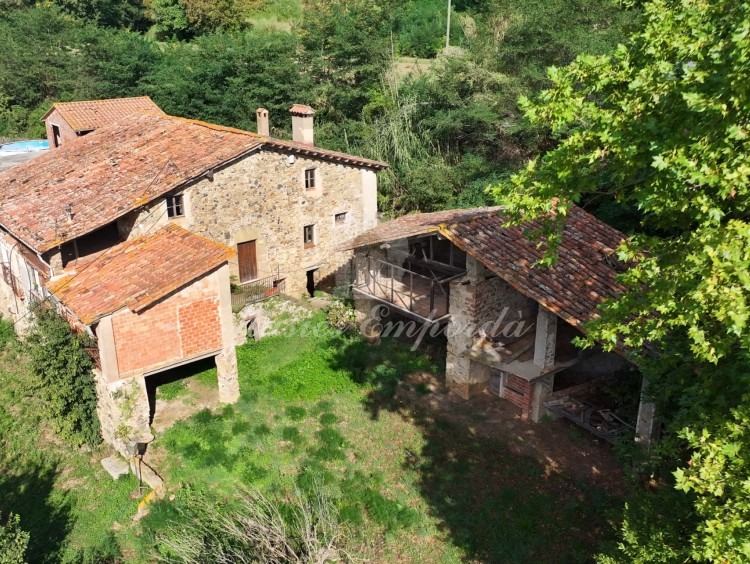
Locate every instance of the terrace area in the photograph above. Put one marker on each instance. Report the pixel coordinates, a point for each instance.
(422, 290)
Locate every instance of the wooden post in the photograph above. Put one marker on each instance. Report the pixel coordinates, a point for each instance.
(411, 291)
(392, 279)
(432, 296)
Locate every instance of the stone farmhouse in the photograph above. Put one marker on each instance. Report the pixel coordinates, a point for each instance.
(509, 323)
(145, 231)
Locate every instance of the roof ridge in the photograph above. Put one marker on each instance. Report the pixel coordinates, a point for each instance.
(99, 101)
(207, 125)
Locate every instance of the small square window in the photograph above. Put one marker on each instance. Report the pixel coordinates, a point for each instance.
(309, 235)
(175, 206)
(310, 174)
(340, 218)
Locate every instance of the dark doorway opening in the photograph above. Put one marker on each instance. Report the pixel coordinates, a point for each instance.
(173, 375)
(311, 282)
(56, 138)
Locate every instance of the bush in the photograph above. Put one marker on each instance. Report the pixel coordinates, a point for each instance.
(342, 317)
(13, 541)
(59, 359)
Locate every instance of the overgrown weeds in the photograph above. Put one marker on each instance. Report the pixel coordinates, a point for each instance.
(253, 526)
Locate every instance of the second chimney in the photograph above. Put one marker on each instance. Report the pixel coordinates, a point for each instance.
(261, 119)
(302, 124)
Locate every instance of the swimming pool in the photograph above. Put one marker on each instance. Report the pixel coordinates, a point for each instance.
(25, 146)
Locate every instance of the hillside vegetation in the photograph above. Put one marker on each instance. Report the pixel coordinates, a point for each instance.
(446, 132)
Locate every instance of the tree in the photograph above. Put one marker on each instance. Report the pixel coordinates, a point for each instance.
(58, 357)
(660, 126)
(224, 77)
(345, 51)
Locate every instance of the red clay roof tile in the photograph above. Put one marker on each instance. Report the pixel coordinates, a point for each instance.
(137, 273)
(583, 277)
(120, 167)
(93, 114)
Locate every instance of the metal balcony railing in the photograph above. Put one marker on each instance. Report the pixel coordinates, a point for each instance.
(428, 298)
(257, 290)
(18, 289)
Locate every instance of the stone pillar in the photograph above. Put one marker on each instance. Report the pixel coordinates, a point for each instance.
(226, 370)
(123, 410)
(463, 375)
(226, 360)
(542, 389)
(546, 335)
(646, 427)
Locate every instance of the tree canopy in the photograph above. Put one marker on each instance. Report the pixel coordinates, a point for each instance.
(660, 127)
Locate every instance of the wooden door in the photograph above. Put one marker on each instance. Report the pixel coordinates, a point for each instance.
(247, 261)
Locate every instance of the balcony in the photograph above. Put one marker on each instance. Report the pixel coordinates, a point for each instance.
(424, 295)
(256, 290)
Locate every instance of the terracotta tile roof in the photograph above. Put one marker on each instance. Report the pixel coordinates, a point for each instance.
(110, 172)
(121, 167)
(137, 273)
(583, 277)
(413, 224)
(93, 114)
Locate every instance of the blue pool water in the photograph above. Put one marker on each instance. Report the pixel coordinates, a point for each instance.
(26, 146)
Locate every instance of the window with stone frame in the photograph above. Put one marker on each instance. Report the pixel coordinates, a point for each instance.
(175, 206)
(309, 236)
(311, 178)
(340, 218)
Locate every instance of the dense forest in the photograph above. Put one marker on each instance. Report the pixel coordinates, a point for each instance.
(636, 110)
(448, 127)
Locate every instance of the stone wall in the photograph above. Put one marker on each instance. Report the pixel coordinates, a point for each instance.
(123, 411)
(481, 301)
(263, 198)
(500, 307)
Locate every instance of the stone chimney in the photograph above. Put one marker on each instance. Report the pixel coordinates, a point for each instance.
(261, 119)
(302, 124)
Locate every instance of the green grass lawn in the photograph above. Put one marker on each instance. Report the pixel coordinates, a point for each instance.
(316, 409)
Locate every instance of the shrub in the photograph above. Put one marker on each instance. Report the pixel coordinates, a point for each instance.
(13, 541)
(342, 317)
(7, 333)
(255, 528)
(59, 359)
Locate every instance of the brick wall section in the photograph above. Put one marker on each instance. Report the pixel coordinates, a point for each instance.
(184, 325)
(524, 399)
(199, 322)
(66, 132)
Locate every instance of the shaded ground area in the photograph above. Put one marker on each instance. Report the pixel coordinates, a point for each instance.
(559, 446)
(419, 474)
(181, 392)
(502, 489)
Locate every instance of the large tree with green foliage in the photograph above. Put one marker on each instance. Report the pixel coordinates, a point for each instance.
(661, 127)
